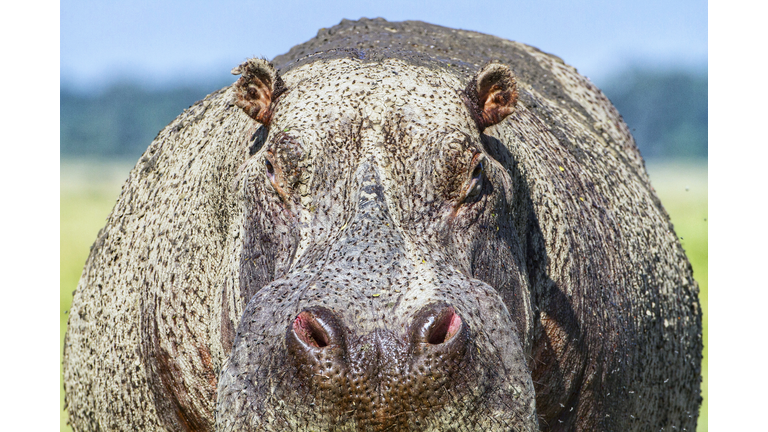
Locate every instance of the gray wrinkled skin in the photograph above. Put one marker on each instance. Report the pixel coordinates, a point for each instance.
(364, 254)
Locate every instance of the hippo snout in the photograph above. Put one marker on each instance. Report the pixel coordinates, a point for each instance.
(384, 378)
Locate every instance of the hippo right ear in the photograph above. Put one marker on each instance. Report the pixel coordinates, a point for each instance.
(257, 89)
(491, 95)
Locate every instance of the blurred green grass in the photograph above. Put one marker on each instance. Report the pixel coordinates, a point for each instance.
(89, 190)
(682, 189)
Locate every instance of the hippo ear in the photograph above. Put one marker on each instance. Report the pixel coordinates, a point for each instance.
(491, 95)
(257, 89)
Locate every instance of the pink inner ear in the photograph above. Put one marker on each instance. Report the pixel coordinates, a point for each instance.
(498, 103)
(255, 98)
(496, 92)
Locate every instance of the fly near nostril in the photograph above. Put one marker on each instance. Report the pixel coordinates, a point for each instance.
(309, 330)
(444, 327)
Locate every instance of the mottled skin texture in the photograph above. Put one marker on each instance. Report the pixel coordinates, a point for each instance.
(385, 235)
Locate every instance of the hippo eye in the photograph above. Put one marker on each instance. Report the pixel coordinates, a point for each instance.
(273, 175)
(475, 182)
(477, 173)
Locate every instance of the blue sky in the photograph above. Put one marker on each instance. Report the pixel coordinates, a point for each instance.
(163, 41)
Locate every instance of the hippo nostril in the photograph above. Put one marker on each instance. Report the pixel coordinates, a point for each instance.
(444, 327)
(437, 324)
(316, 352)
(447, 324)
(310, 330)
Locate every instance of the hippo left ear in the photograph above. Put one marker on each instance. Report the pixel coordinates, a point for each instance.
(257, 89)
(491, 95)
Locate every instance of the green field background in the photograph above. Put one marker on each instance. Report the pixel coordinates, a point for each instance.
(89, 190)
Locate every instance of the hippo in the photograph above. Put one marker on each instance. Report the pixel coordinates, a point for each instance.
(395, 226)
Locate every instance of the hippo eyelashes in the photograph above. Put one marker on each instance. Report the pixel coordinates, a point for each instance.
(273, 175)
(281, 165)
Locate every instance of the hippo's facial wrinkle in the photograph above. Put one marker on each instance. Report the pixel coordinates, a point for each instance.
(392, 295)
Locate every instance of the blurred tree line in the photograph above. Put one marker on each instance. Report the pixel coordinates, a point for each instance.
(122, 120)
(666, 111)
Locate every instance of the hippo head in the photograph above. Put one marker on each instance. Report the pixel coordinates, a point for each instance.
(384, 284)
